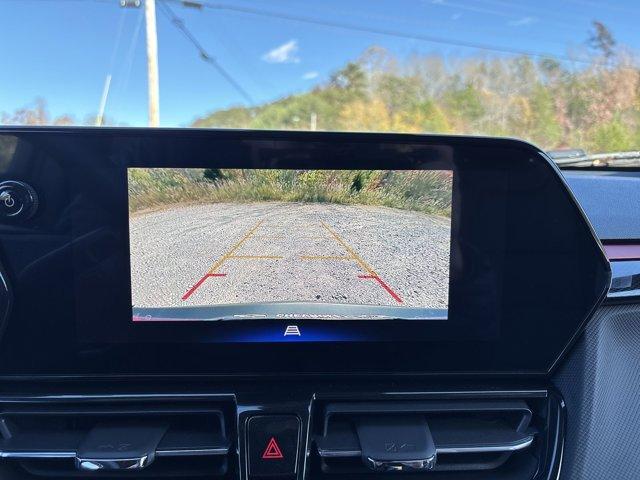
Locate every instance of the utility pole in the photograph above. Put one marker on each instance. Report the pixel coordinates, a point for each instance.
(152, 63)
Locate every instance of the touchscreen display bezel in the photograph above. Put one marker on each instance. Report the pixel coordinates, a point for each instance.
(475, 319)
(526, 269)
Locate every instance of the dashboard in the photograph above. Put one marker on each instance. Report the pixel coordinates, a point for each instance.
(255, 304)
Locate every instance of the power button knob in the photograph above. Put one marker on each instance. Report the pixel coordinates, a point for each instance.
(18, 200)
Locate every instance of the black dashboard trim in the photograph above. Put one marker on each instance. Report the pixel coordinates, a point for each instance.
(324, 136)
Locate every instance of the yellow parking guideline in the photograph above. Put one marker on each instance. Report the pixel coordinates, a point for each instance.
(235, 247)
(346, 246)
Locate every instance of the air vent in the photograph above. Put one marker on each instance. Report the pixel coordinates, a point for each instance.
(442, 439)
(177, 439)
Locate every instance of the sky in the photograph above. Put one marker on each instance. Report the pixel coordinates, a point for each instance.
(63, 50)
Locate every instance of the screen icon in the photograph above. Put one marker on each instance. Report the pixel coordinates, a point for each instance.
(292, 330)
(8, 200)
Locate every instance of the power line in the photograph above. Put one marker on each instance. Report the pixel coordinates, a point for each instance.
(364, 29)
(238, 55)
(386, 32)
(503, 11)
(423, 24)
(180, 25)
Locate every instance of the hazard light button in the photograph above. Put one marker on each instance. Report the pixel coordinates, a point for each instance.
(273, 445)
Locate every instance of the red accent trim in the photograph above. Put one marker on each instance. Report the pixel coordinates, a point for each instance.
(200, 282)
(395, 296)
(622, 252)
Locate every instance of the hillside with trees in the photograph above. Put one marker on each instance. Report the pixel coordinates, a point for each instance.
(592, 103)
(594, 106)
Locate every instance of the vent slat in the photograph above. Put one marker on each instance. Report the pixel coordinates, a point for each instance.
(46, 439)
(462, 431)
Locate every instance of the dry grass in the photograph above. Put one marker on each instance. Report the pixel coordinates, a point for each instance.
(424, 191)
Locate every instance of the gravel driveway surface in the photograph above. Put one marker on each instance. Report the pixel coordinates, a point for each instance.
(271, 252)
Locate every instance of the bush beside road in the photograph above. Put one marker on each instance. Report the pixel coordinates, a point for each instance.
(422, 191)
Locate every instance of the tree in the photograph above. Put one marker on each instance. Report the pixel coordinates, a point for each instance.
(237, 117)
(37, 113)
(601, 39)
(545, 102)
(34, 114)
(350, 81)
(611, 136)
(544, 127)
(398, 93)
(466, 103)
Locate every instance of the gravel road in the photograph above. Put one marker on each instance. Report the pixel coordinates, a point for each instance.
(266, 252)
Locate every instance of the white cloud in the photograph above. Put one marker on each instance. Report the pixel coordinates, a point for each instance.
(285, 53)
(522, 21)
(456, 16)
(310, 75)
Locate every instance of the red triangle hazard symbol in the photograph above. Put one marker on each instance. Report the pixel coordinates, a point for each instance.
(272, 451)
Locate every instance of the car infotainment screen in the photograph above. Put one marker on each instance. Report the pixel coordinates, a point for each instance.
(238, 244)
(257, 252)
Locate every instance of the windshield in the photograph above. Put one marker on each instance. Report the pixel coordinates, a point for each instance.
(563, 75)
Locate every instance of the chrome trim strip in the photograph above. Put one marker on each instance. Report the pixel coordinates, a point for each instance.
(512, 447)
(409, 394)
(625, 280)
(524, 443)
(113, 464)
(26, 455)
(417, 465)
(325, 453)
(193, 452)
(115, 397)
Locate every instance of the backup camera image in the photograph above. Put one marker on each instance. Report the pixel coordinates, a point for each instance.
(212, 244)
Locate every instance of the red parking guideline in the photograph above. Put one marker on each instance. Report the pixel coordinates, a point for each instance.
(395, 296)
(200, 282)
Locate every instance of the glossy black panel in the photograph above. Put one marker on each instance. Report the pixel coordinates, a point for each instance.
(307, 400)
(526, 271)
